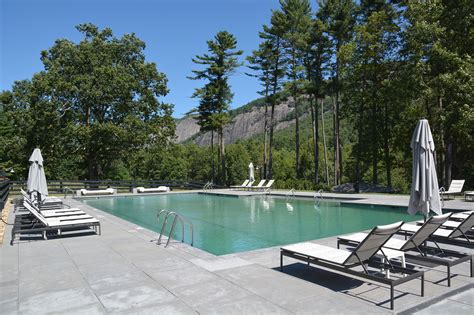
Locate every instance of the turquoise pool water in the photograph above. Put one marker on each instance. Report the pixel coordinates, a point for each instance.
(224, 225)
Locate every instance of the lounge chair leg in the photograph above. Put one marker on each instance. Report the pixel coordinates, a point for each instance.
(281, 261)
(391, 296)
(423, 285)
(449, 276)
(472, 266)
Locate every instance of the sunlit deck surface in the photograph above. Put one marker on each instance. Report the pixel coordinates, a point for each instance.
(124, 270)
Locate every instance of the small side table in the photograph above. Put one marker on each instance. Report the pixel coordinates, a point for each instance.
(469, 195)
(390, 254)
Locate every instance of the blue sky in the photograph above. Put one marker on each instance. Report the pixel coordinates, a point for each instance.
(173, 30)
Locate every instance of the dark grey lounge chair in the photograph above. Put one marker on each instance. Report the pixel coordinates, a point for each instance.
(450, 232)
(416, 243)
(344, 261)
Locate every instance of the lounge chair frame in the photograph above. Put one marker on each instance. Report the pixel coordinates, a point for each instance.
(424, 258)
(29, 225)
(392, 283)
(455, 188)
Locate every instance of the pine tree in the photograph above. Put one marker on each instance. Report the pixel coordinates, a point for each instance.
(261, 63)
(297, 24)
(216, 95)
(339, 18)
(273, 35)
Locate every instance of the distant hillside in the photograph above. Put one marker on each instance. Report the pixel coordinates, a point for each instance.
(247, 122)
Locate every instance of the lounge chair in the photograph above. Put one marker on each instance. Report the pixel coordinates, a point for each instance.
(268, 187)
(151, 190)
(84, 192)
(454, 189)
(449, 232)
(57, 224)
(244, 184)
(344, 261)
(48, 202)
(416, 243)
(258, 186)
(64, 212)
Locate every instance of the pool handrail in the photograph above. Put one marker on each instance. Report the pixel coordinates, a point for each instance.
(177, 217)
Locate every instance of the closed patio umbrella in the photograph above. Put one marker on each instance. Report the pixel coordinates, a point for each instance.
(424, 187)
(36, 177)
(251, 172)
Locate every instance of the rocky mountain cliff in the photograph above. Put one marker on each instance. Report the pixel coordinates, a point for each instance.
(245, 124)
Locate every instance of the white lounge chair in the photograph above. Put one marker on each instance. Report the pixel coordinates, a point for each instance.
(48, 202)
(151, 190)
(344, 260)
(258, 186)
(85, 192)
(60, 212)
(244, 184)
(268, 187)
(57, 224)
(454, 189)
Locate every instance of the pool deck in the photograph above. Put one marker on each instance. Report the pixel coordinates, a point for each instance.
(369, 199)
(125, 271)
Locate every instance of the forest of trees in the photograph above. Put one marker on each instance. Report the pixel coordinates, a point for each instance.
(358, 74)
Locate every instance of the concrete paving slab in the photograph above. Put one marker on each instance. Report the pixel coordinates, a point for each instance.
(247, 305)
(90, 309)
(175, 307)
(447, 307)
(104, 283)
(8, 291)
(9, 307)
(274, 286)
(56, 301)
(164, 263)
(464, 297)
(220, 263)
(334, 304)
(135, 297)
(204, 294)
(173, 279)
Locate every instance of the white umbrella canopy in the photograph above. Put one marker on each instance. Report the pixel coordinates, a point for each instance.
(424, 187)
(251, 172)
(36, 177)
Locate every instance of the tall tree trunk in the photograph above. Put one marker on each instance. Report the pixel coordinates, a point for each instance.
(336, 144)
(273, 96)
(272, 124)
(448, 165)
(443, 150)
(222, 154)
(297, 118)
(91, 163)
(337, 139)
(314, 123)
(324, 143)
(374, 144)
(213, 174)
(388, 161)
(297, 138)
(265, 135)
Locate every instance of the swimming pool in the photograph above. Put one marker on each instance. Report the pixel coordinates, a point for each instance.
(224, 225)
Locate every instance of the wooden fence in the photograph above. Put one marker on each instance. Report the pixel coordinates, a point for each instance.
(4, 190)
(59, 186)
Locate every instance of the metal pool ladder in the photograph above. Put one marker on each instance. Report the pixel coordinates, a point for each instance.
(318, 195)
(208, 186)
(176, 217)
